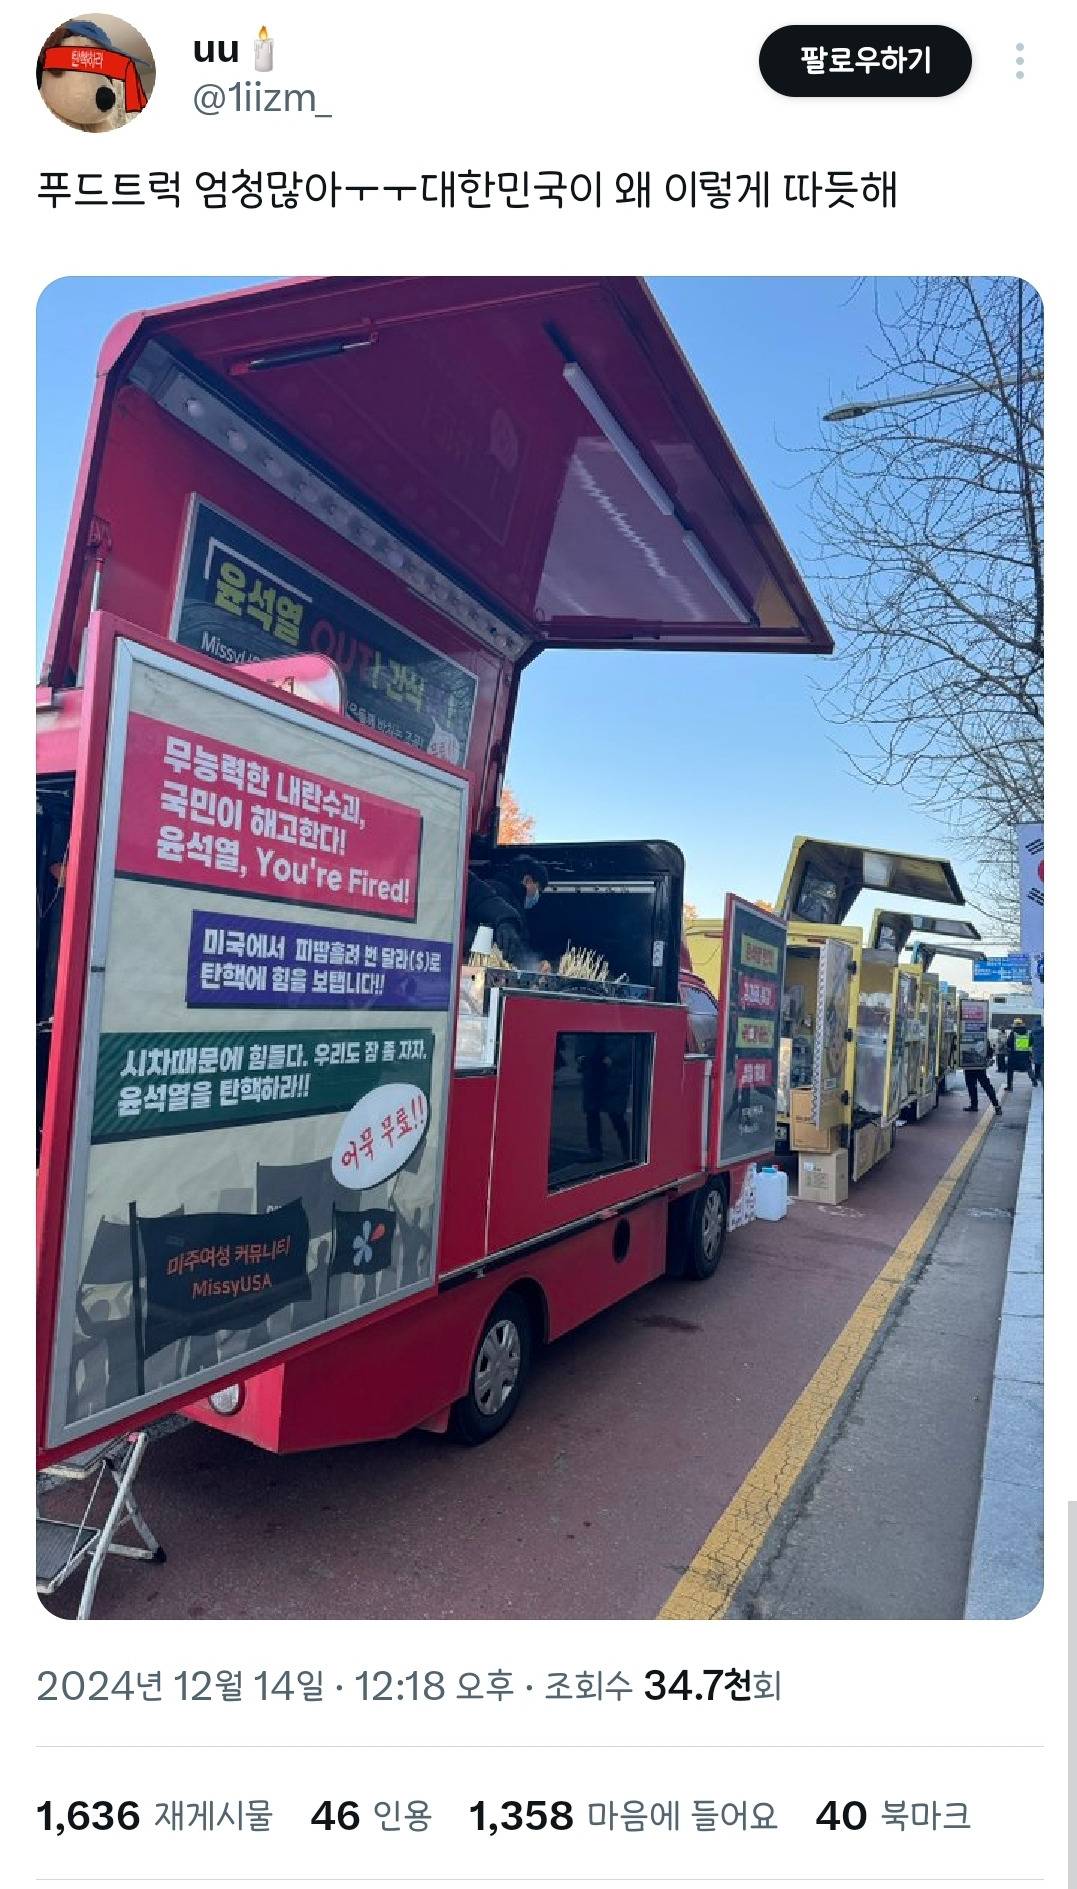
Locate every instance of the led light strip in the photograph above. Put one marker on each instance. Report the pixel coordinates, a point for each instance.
(588, 396)
(246, 444)
(706, 563)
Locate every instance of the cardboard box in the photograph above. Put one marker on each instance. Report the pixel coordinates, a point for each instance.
(804, 1137)
(824, 1178)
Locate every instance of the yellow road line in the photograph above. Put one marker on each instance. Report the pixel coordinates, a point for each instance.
(707, 1586)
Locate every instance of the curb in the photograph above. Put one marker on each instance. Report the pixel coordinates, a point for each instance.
(1006, 1569)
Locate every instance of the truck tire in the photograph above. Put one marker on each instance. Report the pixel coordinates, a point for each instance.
(697, 1232)
(498, 1372)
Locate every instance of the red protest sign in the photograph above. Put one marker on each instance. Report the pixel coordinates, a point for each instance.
(199, 811)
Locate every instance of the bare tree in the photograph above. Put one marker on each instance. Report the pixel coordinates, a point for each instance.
(928, 527)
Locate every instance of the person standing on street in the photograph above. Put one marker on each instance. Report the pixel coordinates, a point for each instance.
(1018, 1053)
(978, 1079)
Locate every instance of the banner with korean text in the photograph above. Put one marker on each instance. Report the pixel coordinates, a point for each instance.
(242, 599)
(246, 1176)
(753, 971)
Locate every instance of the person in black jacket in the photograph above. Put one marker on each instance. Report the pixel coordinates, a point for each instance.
(1019, 1053)
(503, 901)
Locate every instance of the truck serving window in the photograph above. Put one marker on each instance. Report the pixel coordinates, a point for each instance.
(702, 1021)
(619, 900)
(601, 1108)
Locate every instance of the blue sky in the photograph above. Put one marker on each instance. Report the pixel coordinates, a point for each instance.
(625, 745)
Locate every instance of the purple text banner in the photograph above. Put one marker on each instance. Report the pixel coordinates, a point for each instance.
(236, 962)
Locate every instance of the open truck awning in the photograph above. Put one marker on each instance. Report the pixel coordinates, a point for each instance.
(891, 931)
(823, 879)
(542, 440)
(926, 951)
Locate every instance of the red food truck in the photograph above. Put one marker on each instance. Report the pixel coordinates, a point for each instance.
(310, 1169)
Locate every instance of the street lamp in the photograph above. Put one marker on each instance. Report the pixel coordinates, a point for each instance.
(948, 390)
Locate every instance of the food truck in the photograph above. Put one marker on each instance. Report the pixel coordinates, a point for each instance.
(924, 953)
(850, 1013)
(948, 1063)
(316, 1164)
(890, 931)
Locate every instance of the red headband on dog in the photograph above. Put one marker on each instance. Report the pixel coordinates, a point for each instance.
(111, 65)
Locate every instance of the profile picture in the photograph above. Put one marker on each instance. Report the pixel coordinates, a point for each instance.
(96, 72)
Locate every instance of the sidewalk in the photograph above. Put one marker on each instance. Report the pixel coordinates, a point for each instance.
(1006, 1569)
(882, 1524)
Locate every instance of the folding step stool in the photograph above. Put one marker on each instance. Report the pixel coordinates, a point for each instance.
(65, 1547)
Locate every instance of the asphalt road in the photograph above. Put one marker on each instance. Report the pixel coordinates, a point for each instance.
(635, 1433)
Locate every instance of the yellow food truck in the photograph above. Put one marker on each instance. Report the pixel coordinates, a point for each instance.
(949, 997)
(890, 932)
(924, 952)
(849, 1013)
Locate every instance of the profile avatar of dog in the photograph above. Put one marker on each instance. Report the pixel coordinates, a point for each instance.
(88, 81)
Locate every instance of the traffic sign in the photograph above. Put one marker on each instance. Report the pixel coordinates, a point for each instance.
(1012, 970)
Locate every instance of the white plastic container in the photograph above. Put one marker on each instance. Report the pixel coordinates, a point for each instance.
(771, 1194)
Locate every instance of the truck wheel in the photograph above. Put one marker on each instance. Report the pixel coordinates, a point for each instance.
(703, 1232)
(502, 1361)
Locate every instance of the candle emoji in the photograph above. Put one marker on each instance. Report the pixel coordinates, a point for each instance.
(263, 52)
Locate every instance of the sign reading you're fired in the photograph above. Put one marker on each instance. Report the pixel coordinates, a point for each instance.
(198, 812)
